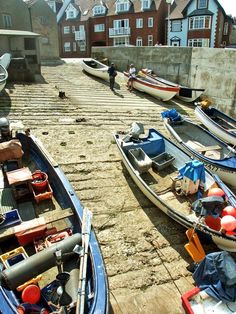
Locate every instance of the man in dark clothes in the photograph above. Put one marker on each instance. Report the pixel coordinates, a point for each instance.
(112, 74)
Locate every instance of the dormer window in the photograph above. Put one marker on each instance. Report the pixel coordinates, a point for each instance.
(202, 4)
(98, 10)
(71, 12)
(122, 5)
(145, 4)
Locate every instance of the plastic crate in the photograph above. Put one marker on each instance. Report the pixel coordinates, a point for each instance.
(140, 159)
(11, 218)
(162, 161)
(13, 257)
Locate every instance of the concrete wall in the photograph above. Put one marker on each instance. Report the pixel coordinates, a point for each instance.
(210, 68)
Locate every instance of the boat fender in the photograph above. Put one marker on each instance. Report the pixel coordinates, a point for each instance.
(27, 308)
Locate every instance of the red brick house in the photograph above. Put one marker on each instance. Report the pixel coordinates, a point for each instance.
(87, 23)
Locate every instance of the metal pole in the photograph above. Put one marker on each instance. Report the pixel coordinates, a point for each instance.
(168, 25)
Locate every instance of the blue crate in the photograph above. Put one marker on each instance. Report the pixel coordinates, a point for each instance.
(11, 218)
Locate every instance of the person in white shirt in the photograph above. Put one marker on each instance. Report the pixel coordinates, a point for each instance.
(132, 76)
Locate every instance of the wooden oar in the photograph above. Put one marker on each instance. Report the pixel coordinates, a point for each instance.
(86, 230)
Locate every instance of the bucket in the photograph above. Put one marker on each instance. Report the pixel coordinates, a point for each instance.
(39, 181)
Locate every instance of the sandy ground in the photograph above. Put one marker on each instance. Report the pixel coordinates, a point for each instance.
(143, 249)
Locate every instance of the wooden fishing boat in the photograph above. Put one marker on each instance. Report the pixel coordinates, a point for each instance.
(3, 77)
(154, 163)
(185, 93)
(95, 68)
(217, 122)
(152, 87)
(50, 258)
(198, 142)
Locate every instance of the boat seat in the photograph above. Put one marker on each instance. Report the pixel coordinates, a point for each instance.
(208, 148)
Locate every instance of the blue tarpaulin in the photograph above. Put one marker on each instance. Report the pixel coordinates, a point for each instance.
(216, 275)
(172, 114)
(193, 170)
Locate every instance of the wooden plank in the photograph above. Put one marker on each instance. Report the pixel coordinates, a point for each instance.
(50, 217)
(208, 148)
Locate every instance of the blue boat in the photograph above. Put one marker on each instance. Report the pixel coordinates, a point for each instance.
(50, 257)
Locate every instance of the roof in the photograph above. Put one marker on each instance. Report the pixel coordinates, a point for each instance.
(179, 8)
(10, 32)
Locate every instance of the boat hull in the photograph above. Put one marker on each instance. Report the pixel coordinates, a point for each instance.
(100, 71)
(216, 128)
(222, 242)
(186, 94)
(154, 89)
(3, 77)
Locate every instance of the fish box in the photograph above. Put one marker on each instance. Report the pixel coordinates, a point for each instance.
(10, 218)
(162, 161)
(44, 194)
(140, 159)
(13, 257)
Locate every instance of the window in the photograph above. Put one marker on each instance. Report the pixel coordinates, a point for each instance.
(199, 22)
(52, 5)
(226, 28)
(139, 23)
(139, 41)
(29, 43)
(82, 47)
(7, 22)
(98, 9)
(44, 40)
(70, 14)
(150, 22)
(202, 4)
(121, 41)
(150, 40)
(199, 42)
(67, 47)
(122, 5)
(66, 29)
(43, 20)
(145, 4)
(99, 28)
(176, 26)
(74, 46)
(73, 29)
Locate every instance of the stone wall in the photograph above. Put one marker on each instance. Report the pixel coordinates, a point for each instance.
(210, 68)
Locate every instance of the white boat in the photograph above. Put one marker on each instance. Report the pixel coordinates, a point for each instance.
(217, 122)
(198, 142)
(185, 93)
(152, 87)
(153, 162)
(3, 77)
(5, 60)
(95, 68)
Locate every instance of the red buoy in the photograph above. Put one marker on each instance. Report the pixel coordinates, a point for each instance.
(229, 210)
(228, 223)
(31, 294)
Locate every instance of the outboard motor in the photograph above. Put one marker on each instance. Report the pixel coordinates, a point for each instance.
(5, 131)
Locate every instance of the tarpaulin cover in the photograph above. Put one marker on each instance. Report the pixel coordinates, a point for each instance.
(193, 170)
(172, 114)
(216, 275)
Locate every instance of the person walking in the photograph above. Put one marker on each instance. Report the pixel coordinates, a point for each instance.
(112, 74)
(132, 76)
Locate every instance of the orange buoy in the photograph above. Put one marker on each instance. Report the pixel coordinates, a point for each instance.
(216, 192)
(31, 294)
(229, 210)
